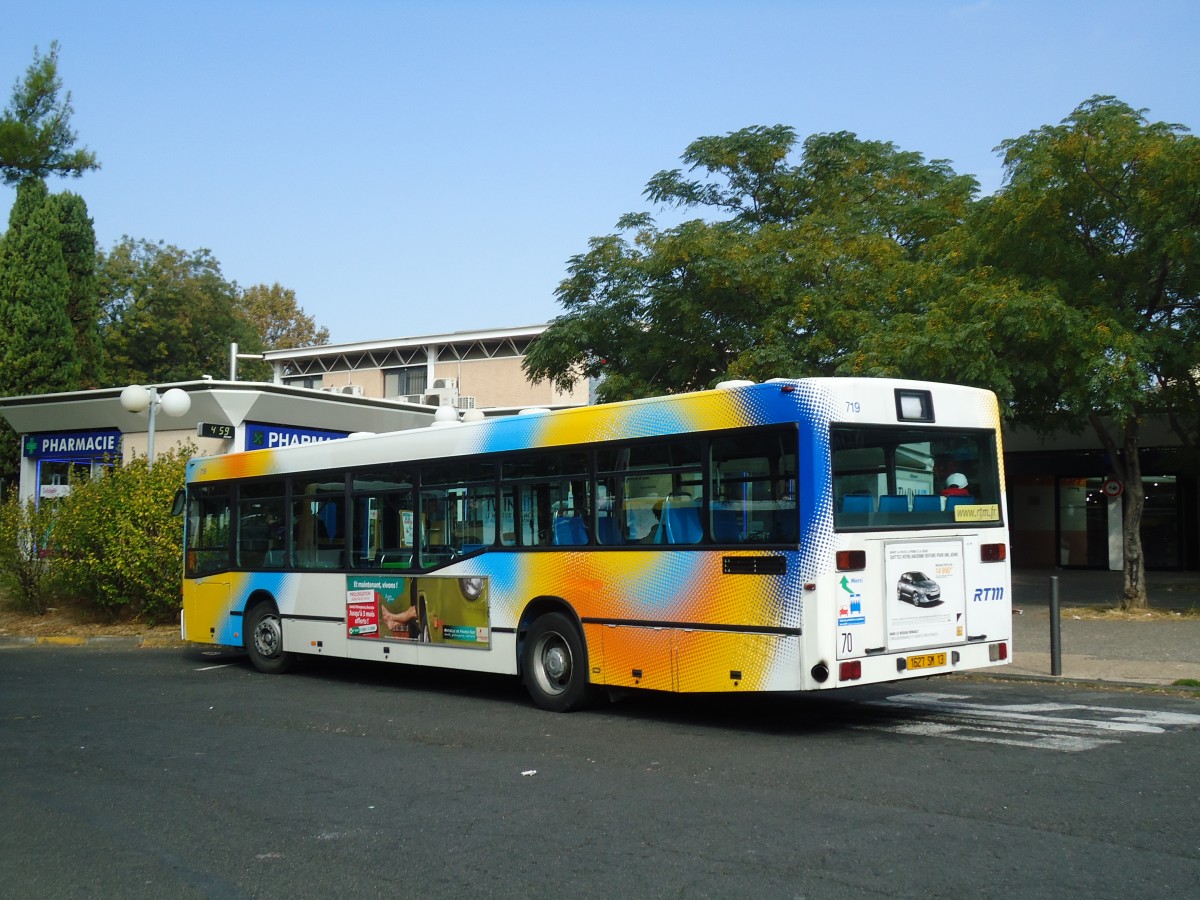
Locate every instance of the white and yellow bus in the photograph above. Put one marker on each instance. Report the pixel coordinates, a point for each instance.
(785, 536)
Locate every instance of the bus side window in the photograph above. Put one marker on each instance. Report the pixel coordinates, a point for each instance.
(207, 547)
(609, 514)
(261, 533)
(753, 487)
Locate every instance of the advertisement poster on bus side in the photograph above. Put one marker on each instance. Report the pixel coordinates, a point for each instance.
(926, 594)
(427, 609)
(365, 596)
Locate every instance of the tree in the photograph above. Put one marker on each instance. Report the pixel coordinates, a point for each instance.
(77, 240)
(47, 266)
(1072, 292)
(36, 139)
(48, 336)
(793, 265)
(167, 314)
(1100, 215)
(278, 319)
(37, 347)
(279, 322)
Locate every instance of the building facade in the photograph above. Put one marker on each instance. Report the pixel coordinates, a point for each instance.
(1066, 507)
(464, 369)
(70, 436)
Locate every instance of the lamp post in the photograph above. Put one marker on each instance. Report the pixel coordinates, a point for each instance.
(234, 356)
(174, 402)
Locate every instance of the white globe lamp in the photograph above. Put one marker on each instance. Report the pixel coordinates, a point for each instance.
(174, 403)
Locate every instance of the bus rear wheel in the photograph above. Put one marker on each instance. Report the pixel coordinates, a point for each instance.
(264, 640)
(554, 664)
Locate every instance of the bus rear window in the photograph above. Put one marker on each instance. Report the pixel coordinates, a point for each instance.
(887, 477)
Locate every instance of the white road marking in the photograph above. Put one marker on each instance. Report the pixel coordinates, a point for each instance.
(1064, 727)
(210, 668)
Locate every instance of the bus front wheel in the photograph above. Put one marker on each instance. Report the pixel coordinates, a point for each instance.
(264, 640)
(554, 664)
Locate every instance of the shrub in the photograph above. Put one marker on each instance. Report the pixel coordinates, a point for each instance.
(27, 558)
(121, 547)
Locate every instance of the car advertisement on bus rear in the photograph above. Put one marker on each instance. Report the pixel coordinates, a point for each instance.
(926, 593)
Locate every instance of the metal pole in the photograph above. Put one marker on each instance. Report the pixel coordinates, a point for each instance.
(1055, 629)
(150, 429)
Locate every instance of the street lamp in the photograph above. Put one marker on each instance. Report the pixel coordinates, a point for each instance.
(234, 356)
(174, 402)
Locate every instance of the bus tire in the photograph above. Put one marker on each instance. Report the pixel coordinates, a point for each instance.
(264, 640)
(554, 664)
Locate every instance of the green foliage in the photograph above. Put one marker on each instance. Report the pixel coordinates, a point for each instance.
(1099, 213)
(49, 339)
(36, 139)
(168, 315)
(37, 342)
(27, 558)
(121, 547)
(77, 240)
(31, 194)
(807, 261)
(279, 322)
(1072, 293)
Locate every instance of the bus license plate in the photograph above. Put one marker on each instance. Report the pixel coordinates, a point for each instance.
(926, 661)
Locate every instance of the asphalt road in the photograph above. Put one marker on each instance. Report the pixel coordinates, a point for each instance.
(155, 773)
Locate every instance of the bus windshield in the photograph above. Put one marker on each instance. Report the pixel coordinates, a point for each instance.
(887, 477)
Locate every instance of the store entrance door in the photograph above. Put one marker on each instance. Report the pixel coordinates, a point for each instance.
(1090, 526)
(1161, 524)
(1083, 523)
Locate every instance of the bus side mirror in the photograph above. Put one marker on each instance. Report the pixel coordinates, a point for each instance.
(179, 503)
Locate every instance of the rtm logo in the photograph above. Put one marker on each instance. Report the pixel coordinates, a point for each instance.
(984, 594)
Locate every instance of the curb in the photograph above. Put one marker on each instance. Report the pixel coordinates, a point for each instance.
(99, 641)
(1076, 681)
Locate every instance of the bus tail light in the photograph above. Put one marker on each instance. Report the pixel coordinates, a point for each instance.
(998, 652)
(993, 552)
(851, 560)
(850, 670)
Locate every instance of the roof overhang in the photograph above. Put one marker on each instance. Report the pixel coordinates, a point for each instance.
(455, 337)
(218, 402)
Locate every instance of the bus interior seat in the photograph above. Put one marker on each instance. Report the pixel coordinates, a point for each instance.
(857, 503)
(681, 523)
(893, 503)
(927, 503)
(569, 531)
(608, 531)
(726, 525)
(952, 502)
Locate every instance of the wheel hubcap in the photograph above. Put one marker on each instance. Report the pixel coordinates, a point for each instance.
(267, 637)
(556, 664)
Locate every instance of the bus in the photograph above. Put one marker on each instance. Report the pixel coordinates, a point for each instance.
(789, 535)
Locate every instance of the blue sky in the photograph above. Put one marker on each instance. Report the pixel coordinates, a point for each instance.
(413, 168)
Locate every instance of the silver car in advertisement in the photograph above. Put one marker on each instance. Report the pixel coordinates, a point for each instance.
(918, 589)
